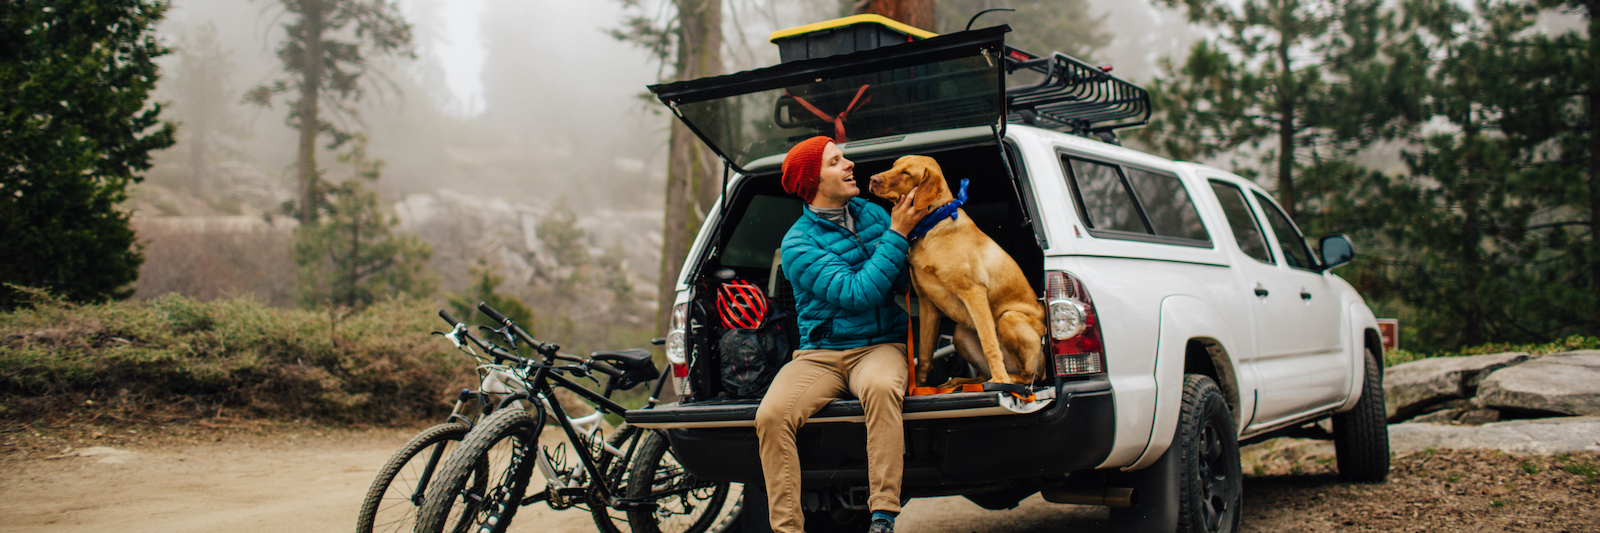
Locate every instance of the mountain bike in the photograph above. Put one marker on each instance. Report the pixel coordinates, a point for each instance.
(397, 492)
(632, 474)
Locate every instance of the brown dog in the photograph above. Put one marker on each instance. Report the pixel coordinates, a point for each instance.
(961, 273)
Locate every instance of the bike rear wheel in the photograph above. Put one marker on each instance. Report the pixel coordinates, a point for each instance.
(500, 451)
(397, 493)
(684, 504)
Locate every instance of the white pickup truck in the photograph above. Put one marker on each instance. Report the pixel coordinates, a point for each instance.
(1187, 313)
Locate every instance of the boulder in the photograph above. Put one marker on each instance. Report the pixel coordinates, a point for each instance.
(1411, 388)
(1562, 384)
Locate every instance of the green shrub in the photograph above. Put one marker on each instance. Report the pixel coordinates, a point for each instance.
(190, 358)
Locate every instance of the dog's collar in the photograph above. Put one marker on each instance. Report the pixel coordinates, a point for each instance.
(938, 215)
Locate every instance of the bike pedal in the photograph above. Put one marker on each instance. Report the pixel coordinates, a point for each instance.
(572, 491)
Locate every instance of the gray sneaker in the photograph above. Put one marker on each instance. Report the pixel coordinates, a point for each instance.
(881, 525)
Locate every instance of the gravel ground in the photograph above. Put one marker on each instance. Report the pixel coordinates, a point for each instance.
(247, 476)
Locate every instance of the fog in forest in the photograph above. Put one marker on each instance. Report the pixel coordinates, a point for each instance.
(512, 113)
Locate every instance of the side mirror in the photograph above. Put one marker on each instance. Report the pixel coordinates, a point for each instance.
(1336, 251)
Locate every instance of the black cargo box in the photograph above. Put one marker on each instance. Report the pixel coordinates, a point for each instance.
(843, 36)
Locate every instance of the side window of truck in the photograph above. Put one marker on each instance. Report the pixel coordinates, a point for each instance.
(1242, 221)
(1295, 251)
(1103, 197)
(1167, 204)
(1131, 203)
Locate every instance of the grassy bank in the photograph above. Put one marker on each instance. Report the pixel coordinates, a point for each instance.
(177, 358)
(1575, 342)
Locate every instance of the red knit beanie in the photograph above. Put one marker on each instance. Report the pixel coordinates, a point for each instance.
(802, 168)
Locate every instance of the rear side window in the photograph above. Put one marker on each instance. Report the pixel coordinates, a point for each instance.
(1295, 251)
(1129, 203)
(1104, 198)
(1167, 204)
(1242, 221)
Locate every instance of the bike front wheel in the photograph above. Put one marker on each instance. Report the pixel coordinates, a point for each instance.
(684, 503)
(499, 451)
(613, 468)
(397, 493)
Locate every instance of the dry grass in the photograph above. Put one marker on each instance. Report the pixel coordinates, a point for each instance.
(175, 357)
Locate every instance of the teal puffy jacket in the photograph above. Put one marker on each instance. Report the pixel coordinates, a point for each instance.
(843, 281)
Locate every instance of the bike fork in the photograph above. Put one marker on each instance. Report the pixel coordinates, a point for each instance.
(427, 473)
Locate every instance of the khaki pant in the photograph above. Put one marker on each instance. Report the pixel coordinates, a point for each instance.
(874, 374)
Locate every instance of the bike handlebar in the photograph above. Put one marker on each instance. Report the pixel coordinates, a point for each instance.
(548, 350)
(500, 354)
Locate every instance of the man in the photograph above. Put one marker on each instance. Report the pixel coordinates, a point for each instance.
(843, 257)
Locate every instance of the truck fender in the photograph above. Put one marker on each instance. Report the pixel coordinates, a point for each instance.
(1361, 321)
(1185, 318)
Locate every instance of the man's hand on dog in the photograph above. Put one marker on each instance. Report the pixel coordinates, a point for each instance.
(906, 215)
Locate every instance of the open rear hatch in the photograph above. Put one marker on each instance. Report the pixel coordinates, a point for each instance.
(939, 83)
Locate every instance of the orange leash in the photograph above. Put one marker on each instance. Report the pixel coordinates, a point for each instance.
(911, 363)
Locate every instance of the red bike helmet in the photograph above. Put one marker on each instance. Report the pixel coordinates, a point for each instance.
(741, 304)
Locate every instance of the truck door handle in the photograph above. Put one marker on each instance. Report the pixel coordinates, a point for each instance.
(1261, 291)
(1304, 295)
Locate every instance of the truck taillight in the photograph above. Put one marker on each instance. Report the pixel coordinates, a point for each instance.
(1075, 343)
(678, 349)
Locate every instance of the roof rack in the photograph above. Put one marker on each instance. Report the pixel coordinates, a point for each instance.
(1074, 97)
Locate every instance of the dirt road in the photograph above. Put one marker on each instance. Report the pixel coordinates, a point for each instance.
(302, 478)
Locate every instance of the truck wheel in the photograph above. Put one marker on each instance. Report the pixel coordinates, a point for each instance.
(1210, 485)
(1361, 435)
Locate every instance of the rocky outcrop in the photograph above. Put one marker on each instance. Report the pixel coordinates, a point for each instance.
(1562, 384)
(1419, 387)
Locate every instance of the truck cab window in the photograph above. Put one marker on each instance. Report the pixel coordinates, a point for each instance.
(1242, 221)
(1295, 251)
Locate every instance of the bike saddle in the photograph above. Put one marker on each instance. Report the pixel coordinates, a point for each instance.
(635, 363)
(627, 358)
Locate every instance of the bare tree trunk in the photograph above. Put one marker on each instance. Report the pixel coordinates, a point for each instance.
(1594, 160)
(1286, 118)
(914, 13)
(692, 181)
(700, 55)
(310, 83)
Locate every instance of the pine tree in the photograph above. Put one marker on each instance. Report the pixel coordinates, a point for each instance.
(1478, 224)
(485, 286)
(203, 106)
(1262, 80)
(352, 257)
(76, 128)
(325, 60)
(1559, 117)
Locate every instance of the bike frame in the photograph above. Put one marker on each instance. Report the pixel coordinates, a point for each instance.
(536, 381)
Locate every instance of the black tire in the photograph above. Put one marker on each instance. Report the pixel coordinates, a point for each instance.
(698, 510)
(1361, 435)
(1210, 485)
(397, 493)
(607, 519)
(500, 450)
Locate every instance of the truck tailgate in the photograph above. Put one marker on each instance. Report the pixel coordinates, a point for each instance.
(742, 413)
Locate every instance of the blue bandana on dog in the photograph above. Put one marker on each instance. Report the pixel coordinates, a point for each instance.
(938, 215)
